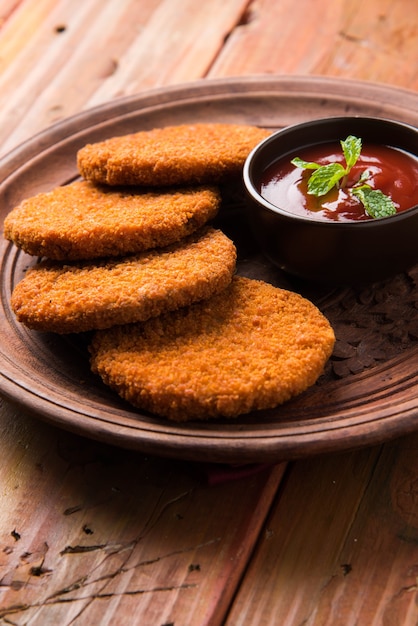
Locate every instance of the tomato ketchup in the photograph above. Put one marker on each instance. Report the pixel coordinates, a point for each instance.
(391, 170)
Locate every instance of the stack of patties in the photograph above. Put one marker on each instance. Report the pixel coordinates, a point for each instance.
(129, 253)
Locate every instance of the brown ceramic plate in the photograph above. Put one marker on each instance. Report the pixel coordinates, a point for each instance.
(369, 392)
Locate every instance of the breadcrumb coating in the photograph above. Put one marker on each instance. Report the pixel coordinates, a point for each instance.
(253, 346)
(173, 155)
(82, 221)
(85, 296)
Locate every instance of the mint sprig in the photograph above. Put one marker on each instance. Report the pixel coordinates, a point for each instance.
(376, 203)
(326, 177)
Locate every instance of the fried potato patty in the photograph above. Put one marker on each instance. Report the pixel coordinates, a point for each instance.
(173, 155)
(82, 221)
(80, 297)
(253, 346)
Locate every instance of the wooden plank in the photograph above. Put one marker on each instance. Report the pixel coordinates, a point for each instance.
(181, 41)
(91, 534)
(20, 23)
(73, 43)
(81, 58)
(7, 8)
(376, 41)
(341, 544)
(350, 38)
(381, 548)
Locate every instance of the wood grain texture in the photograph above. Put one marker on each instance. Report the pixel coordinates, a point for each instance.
(348, 38)
(76, 54)
(90, 533)
(349, 554)
(60, 57)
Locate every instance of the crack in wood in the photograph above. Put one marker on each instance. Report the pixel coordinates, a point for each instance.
(18, 608)
(82, 549)
(247, 15)
(407, 589)
(350, 37)
(73, 509)
(61, 596)
(84, 582)
(157, 514)
(132, 592)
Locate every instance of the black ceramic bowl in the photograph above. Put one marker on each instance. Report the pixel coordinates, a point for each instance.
(326, 251)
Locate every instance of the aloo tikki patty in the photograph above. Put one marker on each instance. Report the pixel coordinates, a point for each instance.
(84, 221)
(173, 155)
(77, 297)
(253, 346)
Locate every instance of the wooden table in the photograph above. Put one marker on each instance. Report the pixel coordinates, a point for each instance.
(95, 534)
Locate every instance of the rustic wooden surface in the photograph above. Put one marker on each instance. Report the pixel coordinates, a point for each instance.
(90, 534)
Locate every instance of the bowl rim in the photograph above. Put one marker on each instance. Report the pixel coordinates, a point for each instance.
(323, 121)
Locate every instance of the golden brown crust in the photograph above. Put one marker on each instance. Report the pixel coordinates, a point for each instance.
(80, 297)
(82, 221)
(252, 346)
(173, 155)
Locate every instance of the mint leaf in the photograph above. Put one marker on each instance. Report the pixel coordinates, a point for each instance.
(325, 178)
(307, 165)
(363, 177)
(375, 202)
(351, 150)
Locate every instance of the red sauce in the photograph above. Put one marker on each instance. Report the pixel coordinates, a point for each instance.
(392, 171)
